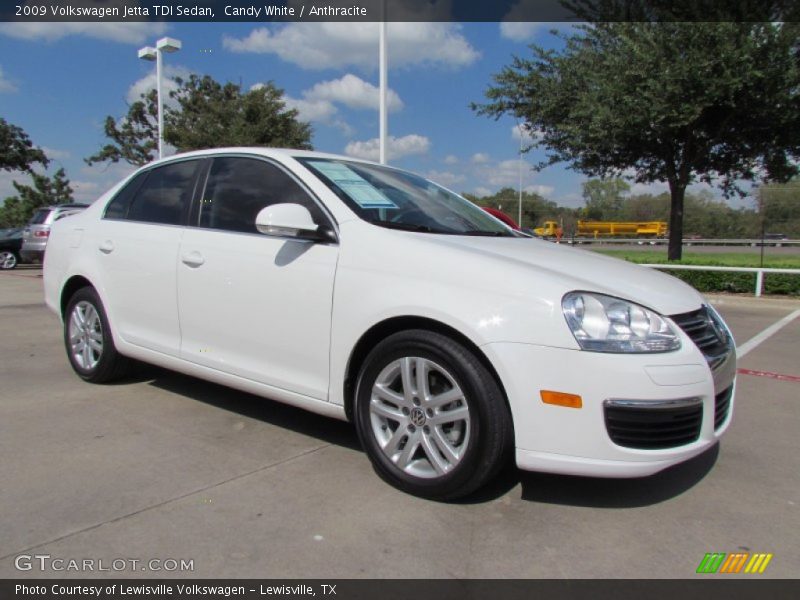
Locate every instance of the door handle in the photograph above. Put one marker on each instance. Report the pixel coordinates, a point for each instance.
(192, 259)
(107, 247)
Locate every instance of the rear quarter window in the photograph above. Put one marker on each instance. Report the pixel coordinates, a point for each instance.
(40, 217)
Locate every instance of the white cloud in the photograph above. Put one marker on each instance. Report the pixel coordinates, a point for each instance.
(395, 148)
(354, 92)
(125, 33)
(543, 190)
(311, 110)
(6, 187)
(506, 172)
(529, 138)
(655, 188)
(56, 154)
(481, 191)
(319, 103)
(520, 31)
(6, 86)
(445, 178)
(86, 191)
(480, 158)
(450, 159)
(148, 82)
(99, 178)
(328, 45)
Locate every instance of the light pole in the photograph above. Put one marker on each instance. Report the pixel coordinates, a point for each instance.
(165, 44)
(519, 130)
(383, 126)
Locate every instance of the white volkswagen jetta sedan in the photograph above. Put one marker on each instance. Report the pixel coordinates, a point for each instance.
(367, 293)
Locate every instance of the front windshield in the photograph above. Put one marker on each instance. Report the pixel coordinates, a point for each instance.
(400, 200)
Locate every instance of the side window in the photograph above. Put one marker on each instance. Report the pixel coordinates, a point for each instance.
(165, 194)
(238, 188)
(118, 207)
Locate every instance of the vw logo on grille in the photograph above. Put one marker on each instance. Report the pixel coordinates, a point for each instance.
(418, 417)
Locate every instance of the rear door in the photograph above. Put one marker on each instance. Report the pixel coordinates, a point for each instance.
(137, 246)
(252, 305)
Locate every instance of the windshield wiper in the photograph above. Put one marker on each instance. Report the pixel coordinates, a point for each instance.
(408, 227)
(488, 233)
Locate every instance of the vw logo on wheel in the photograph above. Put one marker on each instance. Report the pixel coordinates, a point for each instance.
(418, 417)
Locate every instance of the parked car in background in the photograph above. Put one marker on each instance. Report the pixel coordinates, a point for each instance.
(10, 244)
(370, 294)
(37, 232)
(499, 214)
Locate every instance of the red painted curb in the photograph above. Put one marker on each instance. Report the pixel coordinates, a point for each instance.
(769, 374)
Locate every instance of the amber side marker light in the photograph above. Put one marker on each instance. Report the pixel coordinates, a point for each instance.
(561, 399)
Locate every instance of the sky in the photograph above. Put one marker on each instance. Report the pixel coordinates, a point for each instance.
(58, 81)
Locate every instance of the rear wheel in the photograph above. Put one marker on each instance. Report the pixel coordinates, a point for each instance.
(87, 337)
(8, 259)
(430, 416)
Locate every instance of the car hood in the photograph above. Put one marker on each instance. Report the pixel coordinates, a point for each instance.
(583, 270)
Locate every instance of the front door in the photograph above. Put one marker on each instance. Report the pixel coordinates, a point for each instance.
(252, 305)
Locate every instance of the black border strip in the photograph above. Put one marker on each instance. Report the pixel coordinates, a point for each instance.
(37, 11)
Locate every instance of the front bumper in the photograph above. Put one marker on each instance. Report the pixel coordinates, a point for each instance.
(574, 441)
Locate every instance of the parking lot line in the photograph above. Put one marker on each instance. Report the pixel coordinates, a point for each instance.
(762, 337)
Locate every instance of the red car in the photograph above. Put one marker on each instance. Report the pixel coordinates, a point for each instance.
(499, 214)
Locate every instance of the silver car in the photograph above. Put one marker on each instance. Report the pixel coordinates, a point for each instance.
(37, 232)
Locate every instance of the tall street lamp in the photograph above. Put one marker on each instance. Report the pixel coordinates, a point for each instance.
(165, 44)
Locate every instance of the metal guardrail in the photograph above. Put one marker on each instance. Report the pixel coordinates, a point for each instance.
(759, 271)
(755, 243)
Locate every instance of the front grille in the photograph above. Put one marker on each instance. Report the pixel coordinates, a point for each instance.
(722, 405)
(654, 425)
(706, 335)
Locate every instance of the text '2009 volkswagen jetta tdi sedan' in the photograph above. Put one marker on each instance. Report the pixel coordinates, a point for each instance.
(368, 293)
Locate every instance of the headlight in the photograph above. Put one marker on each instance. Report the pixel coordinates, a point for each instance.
(606, 324)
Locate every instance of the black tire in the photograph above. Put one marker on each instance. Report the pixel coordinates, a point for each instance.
(110, 364)
(8, 260)
(483, 450)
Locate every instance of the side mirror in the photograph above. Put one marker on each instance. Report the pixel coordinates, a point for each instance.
(287, 220)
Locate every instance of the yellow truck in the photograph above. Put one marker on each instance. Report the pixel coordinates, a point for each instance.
(650, 229)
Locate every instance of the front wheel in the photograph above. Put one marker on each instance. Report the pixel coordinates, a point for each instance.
(8, 259)
(430, 416)
(87, 337)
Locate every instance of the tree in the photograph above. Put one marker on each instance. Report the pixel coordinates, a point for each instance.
(670, 101)
(135, 137)
(17, 210)
(779, 208)
(208, 115)
(212, 115)
(535, 208)
(604, 198)
(16, 149)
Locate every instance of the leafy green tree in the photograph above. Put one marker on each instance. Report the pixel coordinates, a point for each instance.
(17, 210)
(779, 208)
(604, 198)
(208, 115)
(672, 101)
(213, 115)
(134, 138)
(17, 152)
(535, 208)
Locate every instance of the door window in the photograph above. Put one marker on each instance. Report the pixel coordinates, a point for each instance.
(165, 194)
(118, 207)
(238, 188)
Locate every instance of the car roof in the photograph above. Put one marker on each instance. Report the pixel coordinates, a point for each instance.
(263, 151)
(63, 206)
